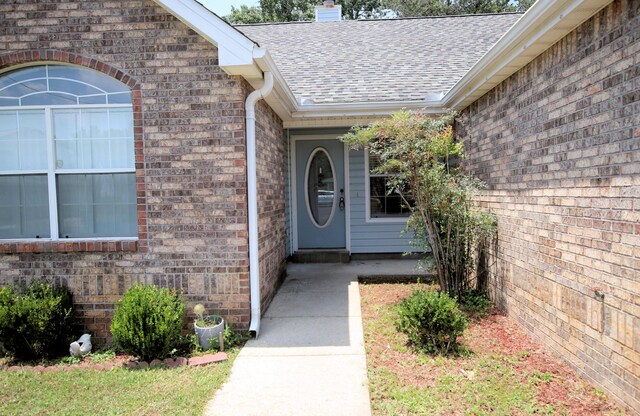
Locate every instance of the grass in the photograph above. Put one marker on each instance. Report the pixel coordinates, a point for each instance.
(180, 391)
(498, 371)
(490, 388)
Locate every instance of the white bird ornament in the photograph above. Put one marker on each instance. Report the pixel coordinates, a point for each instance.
(80, 347)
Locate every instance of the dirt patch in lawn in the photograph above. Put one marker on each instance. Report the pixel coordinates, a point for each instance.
(501, 371)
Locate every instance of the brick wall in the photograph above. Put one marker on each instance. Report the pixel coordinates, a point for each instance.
(559, 145)
(190, 155)
(271, 165)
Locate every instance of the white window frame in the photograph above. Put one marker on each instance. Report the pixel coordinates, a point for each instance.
(367, 196)
(51, 171)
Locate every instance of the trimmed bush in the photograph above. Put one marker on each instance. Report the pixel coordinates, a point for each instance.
(148, 322)
(36, 320)
(432, 321)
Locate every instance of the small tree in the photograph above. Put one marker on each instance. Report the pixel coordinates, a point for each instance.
(421, 155)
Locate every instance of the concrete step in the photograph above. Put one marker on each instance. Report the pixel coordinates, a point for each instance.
(321, 256)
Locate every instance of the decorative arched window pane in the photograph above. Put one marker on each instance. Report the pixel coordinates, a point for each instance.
(60, 85)
(66, 155)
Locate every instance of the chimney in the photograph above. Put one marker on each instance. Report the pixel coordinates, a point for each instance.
(328, 12)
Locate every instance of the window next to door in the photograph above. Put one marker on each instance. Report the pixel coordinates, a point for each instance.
(382, 204)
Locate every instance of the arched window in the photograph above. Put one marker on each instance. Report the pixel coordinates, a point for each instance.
(66, 155)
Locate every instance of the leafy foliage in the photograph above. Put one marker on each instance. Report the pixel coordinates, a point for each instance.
(361, 9)
(234, 338)
(423, 158)
(36, 319)
(245, 15)
(101, 356)
(475, 303)
(417, 8)
(300, 10)
(148, 322)
(432, 320)
(286, 10)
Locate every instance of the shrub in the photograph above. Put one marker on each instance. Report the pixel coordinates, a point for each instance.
(234, 338)
(475, 303)
(432, 321)
(148, 322)
(36, 320)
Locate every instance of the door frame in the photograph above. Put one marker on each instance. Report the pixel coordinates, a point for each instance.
(293, 139)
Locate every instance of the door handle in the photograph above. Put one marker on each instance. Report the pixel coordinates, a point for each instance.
(341, 203)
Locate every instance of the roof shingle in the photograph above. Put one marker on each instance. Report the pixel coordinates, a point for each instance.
(378, 60)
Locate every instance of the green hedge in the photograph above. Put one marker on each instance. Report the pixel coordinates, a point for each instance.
(36, 320)
(148, 322)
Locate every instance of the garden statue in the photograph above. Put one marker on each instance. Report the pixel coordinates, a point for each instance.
(80, 347)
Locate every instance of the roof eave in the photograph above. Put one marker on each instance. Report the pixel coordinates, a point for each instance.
(235, 50)
(544, 24)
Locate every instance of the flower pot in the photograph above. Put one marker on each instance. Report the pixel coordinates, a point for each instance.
(207, 333)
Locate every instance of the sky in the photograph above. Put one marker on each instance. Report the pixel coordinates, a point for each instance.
(223, 7)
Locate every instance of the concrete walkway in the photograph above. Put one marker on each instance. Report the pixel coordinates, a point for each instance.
(309, 358)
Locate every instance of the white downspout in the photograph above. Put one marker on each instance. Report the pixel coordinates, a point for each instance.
(252, 196)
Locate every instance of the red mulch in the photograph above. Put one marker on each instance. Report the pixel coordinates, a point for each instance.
(86, 363)
(492, 334)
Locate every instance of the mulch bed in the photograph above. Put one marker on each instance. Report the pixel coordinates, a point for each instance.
(86, 364)
(494, 335)
(122, 361)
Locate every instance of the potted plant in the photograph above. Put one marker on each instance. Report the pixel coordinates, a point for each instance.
(207, 327)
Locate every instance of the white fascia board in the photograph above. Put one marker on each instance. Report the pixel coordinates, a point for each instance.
(360, 109)
(334, 122)
(544, 24)
(234, 48)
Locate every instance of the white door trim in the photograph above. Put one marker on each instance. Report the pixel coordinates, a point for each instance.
(294, 187)
(347, 200)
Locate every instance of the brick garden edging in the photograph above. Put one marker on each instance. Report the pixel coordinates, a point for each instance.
(200, 361)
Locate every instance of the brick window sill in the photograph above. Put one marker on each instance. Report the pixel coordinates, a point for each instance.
(76, 246)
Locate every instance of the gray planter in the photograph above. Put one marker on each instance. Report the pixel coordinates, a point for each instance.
(208, 335)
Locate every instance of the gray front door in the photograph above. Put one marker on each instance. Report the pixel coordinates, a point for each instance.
(320, 194)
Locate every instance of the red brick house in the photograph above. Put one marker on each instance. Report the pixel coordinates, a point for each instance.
(149, 141)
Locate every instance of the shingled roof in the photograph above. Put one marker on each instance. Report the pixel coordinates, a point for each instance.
(378, 60)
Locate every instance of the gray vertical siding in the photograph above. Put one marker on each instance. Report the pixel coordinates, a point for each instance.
(370, 237)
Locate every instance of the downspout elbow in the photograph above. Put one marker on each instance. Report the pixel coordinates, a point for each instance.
(252, 199)
(257, 95)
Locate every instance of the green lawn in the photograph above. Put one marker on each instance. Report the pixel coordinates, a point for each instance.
(181, 391)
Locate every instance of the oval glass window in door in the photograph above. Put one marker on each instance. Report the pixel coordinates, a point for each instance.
(320, 187)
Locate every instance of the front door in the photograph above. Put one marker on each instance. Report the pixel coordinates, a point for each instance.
(320, 190)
